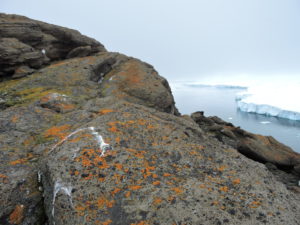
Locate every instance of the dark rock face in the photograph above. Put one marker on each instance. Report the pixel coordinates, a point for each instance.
(98, 140)
(31, 43)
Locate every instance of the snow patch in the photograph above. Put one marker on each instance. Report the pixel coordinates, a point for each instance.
(265, 122)
(101, 78)
(103, 146)
(66, 189)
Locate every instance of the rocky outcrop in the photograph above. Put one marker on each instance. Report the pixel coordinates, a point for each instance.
(264, 149)
(26, 45)
(98, 140)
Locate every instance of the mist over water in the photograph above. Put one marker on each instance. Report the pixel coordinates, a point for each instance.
(284, 91)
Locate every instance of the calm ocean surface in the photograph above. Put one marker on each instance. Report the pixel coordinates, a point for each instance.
(220, 101)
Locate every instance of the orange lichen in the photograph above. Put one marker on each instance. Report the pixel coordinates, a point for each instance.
(118, 139)
(115, 191)
(80, 137)
(169, 183)
(127, 194)
(119, 166)
(135, 187)
(157, 201)
(150, 126)
(236, 181)
(224, 188)
(156, 183)
(215, 203)
(90, 176)
(264, 139)
(18, 161)
(193, 152)
(105, 111)
(66, 107)
(79, 208)
(28, 141)
(57, 131)
(202, 186)
(16, 217)
(221, 168)
(171, 198)
(154, 175)
(167, 175)
(58, 64)
(3, 176)
(177, 190)
(113, 129)
(255, 204)
(107, 222)
(45, 99)
(102, 202)
(15, 119)
(140, 154)
(140, 223)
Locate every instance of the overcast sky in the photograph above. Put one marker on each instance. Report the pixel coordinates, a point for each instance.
(185, 39)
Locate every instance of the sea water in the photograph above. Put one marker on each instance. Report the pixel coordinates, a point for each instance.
(220, 101)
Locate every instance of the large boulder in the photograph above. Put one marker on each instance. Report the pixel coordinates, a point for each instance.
(264, 149)
(31, 43)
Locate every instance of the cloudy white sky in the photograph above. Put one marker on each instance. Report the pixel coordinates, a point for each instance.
(185, 39)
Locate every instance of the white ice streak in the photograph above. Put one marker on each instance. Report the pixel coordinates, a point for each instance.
(103, 146)
(75, 153)
(66, 189)
(98, 138)
(66, 138)
(39, 176)
(101, 78)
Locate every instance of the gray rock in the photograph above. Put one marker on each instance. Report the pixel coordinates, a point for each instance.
(22, 71)
(80, 52)
(33, 43)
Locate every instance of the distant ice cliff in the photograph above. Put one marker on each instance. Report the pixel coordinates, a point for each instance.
(271, 100)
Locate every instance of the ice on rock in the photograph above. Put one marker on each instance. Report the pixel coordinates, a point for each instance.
(104, 147)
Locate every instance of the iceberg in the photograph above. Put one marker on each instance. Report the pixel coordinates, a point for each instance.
(276, 95)
(271, 100)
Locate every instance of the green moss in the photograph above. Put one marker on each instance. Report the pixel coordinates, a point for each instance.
(6, 85)
(40, 139)
(56, 118)
(25, 96)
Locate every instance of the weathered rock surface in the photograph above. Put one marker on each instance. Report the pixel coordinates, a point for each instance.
(31, 43)
(98, 140)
